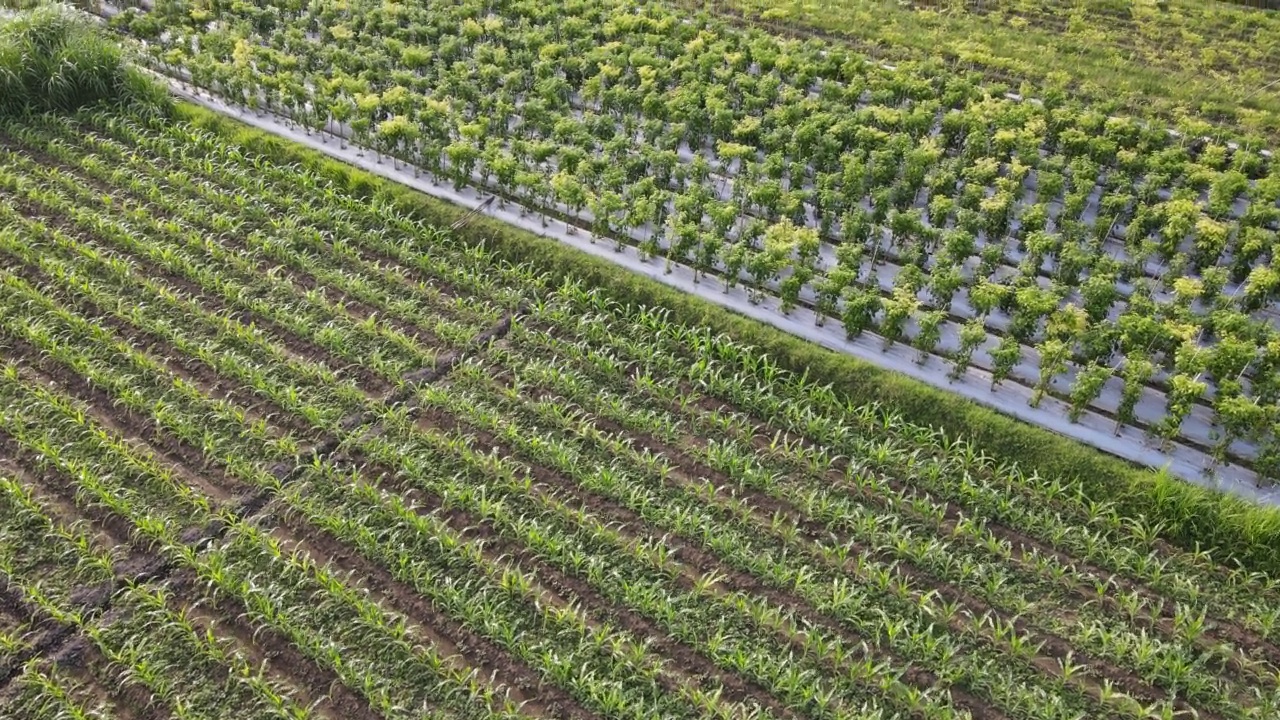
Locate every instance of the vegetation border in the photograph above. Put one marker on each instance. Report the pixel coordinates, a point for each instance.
(1194, 518)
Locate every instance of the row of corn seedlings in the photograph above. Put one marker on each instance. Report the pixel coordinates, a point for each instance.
(369, 648)
(1039, 507)
(232, 349)
(462, 601)
(63, 343)
(282, 238)
(639, 576)
(370, 223)
(206, 440)
(963, 554)
(190, 671)
(15, 642)
(232, 276)
(49, 694)
(1178, 662)
(560, 438)
(683, 512)
(554, 411)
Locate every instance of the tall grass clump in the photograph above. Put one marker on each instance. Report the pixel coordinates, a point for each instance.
(54, 59)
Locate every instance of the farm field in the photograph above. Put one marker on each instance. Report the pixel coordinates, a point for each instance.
(1102, 262)
(1183, 61)
(268, 449)
(282, 439)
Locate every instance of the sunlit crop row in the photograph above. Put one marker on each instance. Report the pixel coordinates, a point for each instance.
(602, 512)
(1095, 259)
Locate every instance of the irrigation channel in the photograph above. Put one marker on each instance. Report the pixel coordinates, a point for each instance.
(1093, 428)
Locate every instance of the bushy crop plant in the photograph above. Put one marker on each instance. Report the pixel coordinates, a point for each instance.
(51, 58)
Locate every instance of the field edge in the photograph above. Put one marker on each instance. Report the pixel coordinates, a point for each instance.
(1234, 531)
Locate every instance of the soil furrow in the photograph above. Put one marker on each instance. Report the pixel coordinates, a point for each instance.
(299, 349)
(462, 648)
(84, 661)
(142, 566)
(563, 590)
(410, 276)
(258, 409)
(264, 649)
(265, 264)
(49, 634)
(142, 434)
(1162, 624)
(977, 607)
(628, 523)
(764, 508)
(1221, 628)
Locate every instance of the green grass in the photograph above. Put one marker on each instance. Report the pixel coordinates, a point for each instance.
(54, 59)
(1236, 532)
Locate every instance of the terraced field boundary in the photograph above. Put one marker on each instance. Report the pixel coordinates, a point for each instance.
(1192, 515)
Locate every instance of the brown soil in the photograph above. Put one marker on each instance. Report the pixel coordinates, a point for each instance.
(698, 565)
(100, 680)
(300, 350)
(436, 290)
(691, 473)
(203, 376)
(563, 590)
(1221, 629)
(463, 648)
(307, 683)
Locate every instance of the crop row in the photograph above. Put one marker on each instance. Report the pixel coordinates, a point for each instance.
(1132, 379)
(401, 451)
(1102, 250)
(1174, 60)
(417, 574)
(147, 638)
(588, 321)
(313, 494)
(544, 529)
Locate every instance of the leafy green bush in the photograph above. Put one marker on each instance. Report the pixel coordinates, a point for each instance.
(52, 58)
